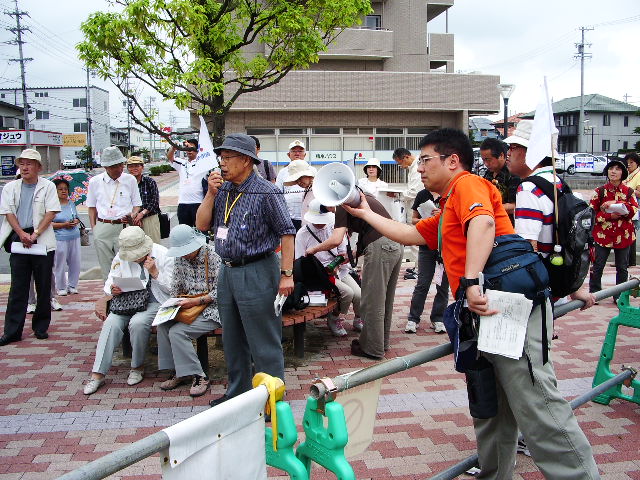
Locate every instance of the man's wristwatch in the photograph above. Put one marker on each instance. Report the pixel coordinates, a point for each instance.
(467, 282)
(286, 273)
(37, 232)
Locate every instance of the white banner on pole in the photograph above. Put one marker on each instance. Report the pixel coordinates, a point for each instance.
(206, 159)
(223, 442)
(544, 133)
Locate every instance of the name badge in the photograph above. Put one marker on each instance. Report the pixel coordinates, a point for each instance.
(437, 274)
(222, 233)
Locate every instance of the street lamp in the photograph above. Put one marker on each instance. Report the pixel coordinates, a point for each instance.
(506, 89)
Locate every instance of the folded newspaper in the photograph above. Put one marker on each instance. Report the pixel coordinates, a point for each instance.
(167, 311)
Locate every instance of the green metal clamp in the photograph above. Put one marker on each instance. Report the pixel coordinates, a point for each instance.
(628, 316)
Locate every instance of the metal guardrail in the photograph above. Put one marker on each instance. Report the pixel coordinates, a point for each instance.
(137, 451)
(472, 461)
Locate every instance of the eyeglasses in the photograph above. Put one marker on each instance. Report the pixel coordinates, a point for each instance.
(423, 159)
(227, 158)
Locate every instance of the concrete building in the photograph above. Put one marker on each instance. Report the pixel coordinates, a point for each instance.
(64, 109)
(608, 126)
(13, 141)
(379, 86)
(11, 117)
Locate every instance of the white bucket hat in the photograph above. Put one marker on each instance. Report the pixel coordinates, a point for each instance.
(111, 156)
(30, 154)
(134, 244)
(314, 215)
(372, 162)
(297, 169)
(184, 240)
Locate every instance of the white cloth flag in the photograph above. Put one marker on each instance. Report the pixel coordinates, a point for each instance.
(206, 159)
(544, 133)
(222, 443)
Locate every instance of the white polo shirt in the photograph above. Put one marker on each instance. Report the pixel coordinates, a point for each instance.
(191, 175)
(113, 199)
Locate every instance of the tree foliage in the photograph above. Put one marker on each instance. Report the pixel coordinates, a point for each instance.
(204, 54)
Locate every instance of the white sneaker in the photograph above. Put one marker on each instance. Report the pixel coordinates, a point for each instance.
(72, 290)
(31, 308)
(135, 377)
(55, 305)
(61, 293)
(358, 324)
(439, 327)
(411, 327)
(93, 385)
(336, 326)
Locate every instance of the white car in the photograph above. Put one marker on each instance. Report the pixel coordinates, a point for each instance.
(70, 162)
(573, 163)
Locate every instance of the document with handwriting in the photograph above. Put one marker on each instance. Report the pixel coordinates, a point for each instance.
(503, 333)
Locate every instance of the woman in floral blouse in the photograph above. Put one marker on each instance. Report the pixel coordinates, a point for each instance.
(612, 230)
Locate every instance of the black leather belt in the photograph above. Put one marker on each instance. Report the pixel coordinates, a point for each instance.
(239, 262)
(115, 222)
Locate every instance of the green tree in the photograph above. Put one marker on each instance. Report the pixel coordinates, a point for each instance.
(201, 54)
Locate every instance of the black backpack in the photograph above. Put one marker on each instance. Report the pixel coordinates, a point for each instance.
(575, 222)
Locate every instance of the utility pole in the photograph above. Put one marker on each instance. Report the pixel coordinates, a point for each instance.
(18, 31)
(582, 55)
(88, 106)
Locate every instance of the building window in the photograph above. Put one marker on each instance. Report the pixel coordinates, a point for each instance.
(1, 95)
(625, 120)
(561, 121)
(625, 145)
(606, 120)
(326, 131)
(390, 131)
(42, 115)
(79, 102)
(260, 131)
(373, 22)
(80, 127)
(570, 120)
(293, 131)
(42, 94)
(606, 145)
(389, 143)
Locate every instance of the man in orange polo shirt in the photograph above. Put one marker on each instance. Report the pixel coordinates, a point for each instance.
(473, 216)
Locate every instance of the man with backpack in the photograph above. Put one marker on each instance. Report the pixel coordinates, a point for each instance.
(535, 211)
(472, 221)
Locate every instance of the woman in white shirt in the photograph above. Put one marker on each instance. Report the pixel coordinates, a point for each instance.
(372, 183)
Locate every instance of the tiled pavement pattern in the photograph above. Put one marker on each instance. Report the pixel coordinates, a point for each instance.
(47, 426)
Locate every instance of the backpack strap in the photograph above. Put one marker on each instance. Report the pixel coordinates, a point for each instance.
(319, 241)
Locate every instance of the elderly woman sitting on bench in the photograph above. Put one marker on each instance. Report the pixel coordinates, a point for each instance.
(138, 257)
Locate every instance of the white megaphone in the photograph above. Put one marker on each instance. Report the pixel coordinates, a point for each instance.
(335, 184)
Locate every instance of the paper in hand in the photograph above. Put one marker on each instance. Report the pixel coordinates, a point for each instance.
(129, 284)
(503, 333)
(619, 208)
(35, 249)
(426, 209)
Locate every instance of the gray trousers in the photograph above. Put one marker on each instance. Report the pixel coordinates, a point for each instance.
(112, 332)
(382, 260)
(557, 444)
(105, 237)
(175, 346)
(251, 329)
(350, 293)
(426, 269)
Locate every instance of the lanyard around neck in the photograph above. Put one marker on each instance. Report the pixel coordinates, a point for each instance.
(115, 192)
(227, 209)
(444, 207)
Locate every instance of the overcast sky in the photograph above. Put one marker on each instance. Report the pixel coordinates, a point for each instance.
(521, 41)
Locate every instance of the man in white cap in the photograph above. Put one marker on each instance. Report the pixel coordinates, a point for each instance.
(293, 194)
(114, 200)
(28, 205)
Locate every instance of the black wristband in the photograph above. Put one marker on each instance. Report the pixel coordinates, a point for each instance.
(467, 282)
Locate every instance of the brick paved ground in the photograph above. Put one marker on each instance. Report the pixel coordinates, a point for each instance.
(47, 426)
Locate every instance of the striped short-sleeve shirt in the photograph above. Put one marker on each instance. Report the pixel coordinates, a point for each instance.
(255, 222)
(534, 215)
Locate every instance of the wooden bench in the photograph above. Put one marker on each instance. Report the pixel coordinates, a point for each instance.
(297, 319)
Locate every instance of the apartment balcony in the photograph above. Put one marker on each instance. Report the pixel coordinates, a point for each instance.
(360, 44)
(436, 7)
(440, 50)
